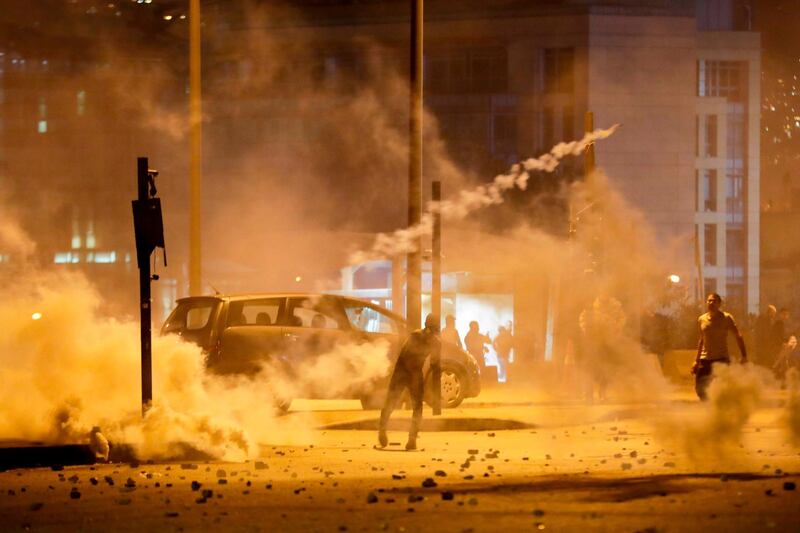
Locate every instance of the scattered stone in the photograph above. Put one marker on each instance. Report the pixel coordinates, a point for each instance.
(207, 493)
(73, 479)
(298, 491)
(633, 454)
(626, 466)
(447, 495)
(491, 434)
(222, 481)
(261, 465)
(440, 473)
(789, 485)
(130, 484)
(473, 452)
(94, 480)
(188, 466)
(372, 498)
(470, 476)
(414, 498)
(196, 485)
(429, 483)
(221, 473)
(669, 464)
(538, 512)
(769, 492)
(35, 506)
(398, 476)
(472, 501)
(75, 494)
(171, 514)
(124, 501)
(109, 480)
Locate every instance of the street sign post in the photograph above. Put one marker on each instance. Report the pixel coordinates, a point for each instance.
(149, 231)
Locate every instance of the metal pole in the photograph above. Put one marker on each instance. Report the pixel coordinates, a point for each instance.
(414, 267)
(436, 293)
(195, 145)
(142, 168)
(436, 282)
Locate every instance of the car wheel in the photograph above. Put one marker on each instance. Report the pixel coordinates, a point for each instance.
(454, 387)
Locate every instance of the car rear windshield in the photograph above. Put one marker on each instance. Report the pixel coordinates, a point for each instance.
(190, 316)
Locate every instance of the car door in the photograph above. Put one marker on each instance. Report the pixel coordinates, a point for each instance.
(251, 336)
(370, 323)
(313, 327)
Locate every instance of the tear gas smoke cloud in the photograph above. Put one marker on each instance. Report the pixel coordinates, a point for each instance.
(712, 432)
(72, 370)
(792, 414)
(406, 240)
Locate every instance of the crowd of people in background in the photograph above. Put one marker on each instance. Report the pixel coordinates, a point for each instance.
(775, 342)
(477, 344)
(771, 338)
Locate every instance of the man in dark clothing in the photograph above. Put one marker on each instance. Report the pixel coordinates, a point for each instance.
(713, 346)
(407, 374)
(765, 348)
(475, 343)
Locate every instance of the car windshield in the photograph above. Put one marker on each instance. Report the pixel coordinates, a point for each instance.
(365, 318)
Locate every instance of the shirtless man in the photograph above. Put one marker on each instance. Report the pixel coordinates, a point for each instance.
(713, 346)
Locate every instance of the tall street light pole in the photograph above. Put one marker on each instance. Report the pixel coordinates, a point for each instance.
(195, 147)
(414, 266)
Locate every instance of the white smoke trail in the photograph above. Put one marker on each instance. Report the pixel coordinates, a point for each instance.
(406, 240)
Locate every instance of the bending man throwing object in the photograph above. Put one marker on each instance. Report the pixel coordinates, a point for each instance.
(408, 374)
(713, 346)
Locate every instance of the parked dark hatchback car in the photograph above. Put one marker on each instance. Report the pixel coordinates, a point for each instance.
(240, 333)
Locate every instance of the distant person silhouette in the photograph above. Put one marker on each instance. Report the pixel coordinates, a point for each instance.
(407, 374)
(450, 333)
(476, 342)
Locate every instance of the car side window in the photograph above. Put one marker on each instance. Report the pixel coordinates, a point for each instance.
(261, 312)
(369, 319)
(304, 313)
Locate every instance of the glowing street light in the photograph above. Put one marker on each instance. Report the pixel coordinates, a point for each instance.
(36, 316)
(674, 278)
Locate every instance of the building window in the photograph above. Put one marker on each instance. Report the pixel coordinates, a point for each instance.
(710, 246)
(710, 136)
(81, 103)
(722, 78)
(548, 128)
(735, 254)
(504, 134)
(467, 71)
(734, 196)
(706, 183)
(568, 124)
(559, 66)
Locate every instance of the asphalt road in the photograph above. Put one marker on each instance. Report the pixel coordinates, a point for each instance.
(504, 462)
